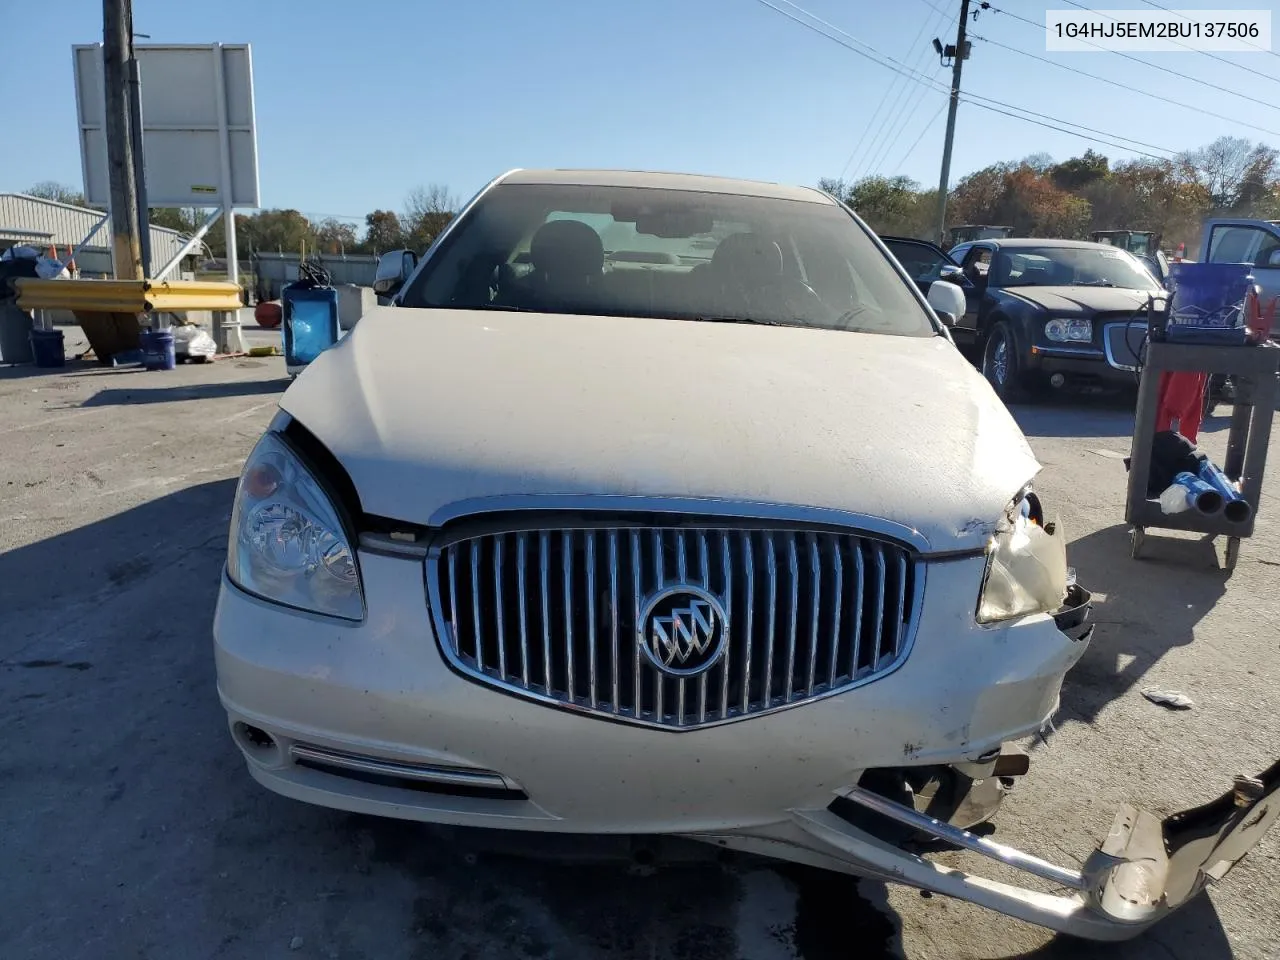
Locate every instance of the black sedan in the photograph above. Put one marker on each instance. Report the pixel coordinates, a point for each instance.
(1041, 312)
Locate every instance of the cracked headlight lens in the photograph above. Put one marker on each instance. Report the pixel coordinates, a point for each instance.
(1026, 564)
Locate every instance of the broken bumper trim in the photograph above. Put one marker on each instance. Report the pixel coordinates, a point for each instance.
(1145, 869)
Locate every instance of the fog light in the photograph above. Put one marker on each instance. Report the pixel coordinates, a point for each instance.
(256, 743)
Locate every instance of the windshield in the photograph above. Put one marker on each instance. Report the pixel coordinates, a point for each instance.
(1070, 266)
(679, 254)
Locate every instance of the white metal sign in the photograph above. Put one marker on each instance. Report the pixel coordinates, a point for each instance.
(200, 145)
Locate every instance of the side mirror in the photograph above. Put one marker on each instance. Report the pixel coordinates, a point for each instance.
(1274, 259)
(951, 273)
(948, 302)
(393, 270)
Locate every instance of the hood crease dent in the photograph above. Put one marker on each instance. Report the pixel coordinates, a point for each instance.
(429, 408)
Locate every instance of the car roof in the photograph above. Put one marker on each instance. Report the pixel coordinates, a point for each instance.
(1022, 243)
(668, 181)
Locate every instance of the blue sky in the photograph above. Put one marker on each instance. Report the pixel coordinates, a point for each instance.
(358, 103)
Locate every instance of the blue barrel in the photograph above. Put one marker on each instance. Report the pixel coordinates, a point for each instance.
(1207, 305)
(157, 350)
(47, 348)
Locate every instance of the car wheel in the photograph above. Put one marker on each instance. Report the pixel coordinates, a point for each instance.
(1000, 363)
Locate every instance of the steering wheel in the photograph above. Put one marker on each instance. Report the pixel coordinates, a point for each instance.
(800, 299)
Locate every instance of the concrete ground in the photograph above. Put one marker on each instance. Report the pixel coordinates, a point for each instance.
(130, 829)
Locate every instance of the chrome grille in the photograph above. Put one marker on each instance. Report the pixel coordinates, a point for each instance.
(551, 614)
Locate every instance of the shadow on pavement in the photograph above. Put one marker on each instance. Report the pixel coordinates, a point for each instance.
(1104, 415)
(1151, 605)
(193, 391)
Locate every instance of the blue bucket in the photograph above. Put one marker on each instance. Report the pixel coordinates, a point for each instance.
(1207, 305)
(47, 348)
(310, 322)
(157, 350)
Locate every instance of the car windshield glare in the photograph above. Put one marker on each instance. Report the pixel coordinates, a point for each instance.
(680, 254)
(1070, 266)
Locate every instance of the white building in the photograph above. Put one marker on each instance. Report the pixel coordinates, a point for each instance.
(41, 223)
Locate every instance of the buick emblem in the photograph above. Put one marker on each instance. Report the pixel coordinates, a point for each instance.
(682, 629)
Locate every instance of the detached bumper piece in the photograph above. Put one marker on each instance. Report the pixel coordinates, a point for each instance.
(1145, 869)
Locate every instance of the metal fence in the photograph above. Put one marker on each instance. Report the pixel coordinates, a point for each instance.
(273, 270)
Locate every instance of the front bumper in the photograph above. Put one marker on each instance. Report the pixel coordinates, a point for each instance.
(370, 718)
(383, 689)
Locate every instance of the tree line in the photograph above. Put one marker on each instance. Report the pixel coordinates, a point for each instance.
(1038, 197)
(426, 212)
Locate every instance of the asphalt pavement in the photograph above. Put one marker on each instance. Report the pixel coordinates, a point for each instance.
(130, 829)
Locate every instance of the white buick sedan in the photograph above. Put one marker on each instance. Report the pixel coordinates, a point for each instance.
(661, 504)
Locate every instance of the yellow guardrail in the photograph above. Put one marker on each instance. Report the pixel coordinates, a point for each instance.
(127, 296)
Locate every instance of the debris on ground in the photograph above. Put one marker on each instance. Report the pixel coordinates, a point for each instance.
(1172, 699)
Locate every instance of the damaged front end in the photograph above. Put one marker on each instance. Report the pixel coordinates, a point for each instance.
(1146, 868)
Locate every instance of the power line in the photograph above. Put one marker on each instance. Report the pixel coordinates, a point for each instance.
(897, 112)
(910, 104)
(1178, 13)
(1124, 86)
(1205, 53)
(1147, 63)
(880, 106)
(972, 98)
(915, 143)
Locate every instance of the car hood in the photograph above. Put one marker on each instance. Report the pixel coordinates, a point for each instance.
(1080, 301)
(428, 408)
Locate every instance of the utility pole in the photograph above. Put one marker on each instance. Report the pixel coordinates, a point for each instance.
(117, 31)
(958, 55)
(139, 171)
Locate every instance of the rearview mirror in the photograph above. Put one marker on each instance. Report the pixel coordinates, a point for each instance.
(393, 270)
(951, 273)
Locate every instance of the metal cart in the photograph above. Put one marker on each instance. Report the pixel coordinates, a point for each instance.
(1254, 371)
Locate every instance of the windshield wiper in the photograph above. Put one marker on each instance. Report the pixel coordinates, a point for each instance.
(1093, 283)
(761, 323)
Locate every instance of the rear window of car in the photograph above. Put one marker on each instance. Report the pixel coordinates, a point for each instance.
(679, 254)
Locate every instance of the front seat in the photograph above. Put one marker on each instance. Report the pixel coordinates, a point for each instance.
(568, 264)
(747, 270)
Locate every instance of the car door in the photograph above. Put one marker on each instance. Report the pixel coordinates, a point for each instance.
(1251, 243)
(924, 262)
(975, 264)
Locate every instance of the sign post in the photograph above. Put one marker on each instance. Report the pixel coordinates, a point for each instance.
(198, 138)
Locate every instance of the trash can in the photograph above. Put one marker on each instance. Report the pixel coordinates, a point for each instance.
(15, 333)
(157, 350)
(47, 348)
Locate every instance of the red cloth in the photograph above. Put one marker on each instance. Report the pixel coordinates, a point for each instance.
(1180, 404)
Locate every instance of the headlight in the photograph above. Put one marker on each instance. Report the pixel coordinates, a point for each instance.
(288, 544)
(1069, 331)
(1026, 564)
